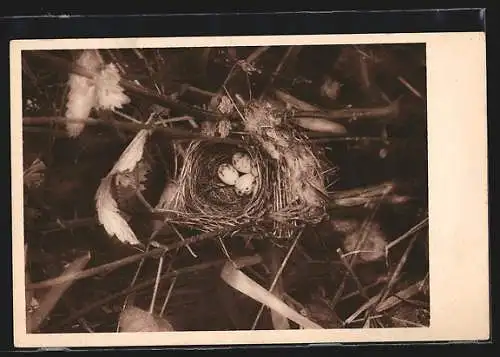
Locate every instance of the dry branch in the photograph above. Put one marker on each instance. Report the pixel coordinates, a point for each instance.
(133, 127)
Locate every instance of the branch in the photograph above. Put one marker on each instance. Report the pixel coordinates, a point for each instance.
(134, 127)
(106, 268)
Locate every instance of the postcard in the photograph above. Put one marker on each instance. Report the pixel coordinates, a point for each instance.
(204, 191)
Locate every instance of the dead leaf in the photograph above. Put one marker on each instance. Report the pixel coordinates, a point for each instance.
(134, 319)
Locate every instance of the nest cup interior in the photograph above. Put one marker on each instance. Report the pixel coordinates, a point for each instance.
(207, 191)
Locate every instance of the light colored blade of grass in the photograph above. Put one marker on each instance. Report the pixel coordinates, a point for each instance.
(50, 300)
(239, 281)
(386, 304)
(404, 294)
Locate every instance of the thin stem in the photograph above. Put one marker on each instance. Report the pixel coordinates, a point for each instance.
(157, 284)
(277, 276)
(360, 286)
(167, 298)
(183, 239)
(242, 262)
(411, 231)
(383, 295)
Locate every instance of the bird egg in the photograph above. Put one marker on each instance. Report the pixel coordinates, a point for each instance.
(227, 174)
(244, 185)
(242, 162)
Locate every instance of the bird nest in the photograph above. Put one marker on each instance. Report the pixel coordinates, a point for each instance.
(289, 189)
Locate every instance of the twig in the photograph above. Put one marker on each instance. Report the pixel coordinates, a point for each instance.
(157, 284)
(386, 112)
(134, 127)
(365, 76)
(411, 231)
(65, 225)
(277, 276)
(236, 67)
(407, 322)
(183, 239)
(363, 195)
(385, 292)
(355, 293)
(52, 297)
(193, 89)
(122, 262)
(126, 116)
(167, 297)
(295, 102)
(256, 54)
(386, 305)
(174, 120)
(352, 261)
(242, 262)
(138, 270)
(360, 286)
(410, 87)
(278, 69)
(92, 271)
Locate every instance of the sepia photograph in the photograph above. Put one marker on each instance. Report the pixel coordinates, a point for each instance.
(209, 188)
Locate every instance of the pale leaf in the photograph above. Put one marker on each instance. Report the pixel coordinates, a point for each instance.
(82, 93)
(132, 154)
(34, 175)
(225, 106)
(330, 88)
(168, 195)
(224, 128)
(241, 282)
(109, 215)
(135, 179)
(109, 92)
(134, 319)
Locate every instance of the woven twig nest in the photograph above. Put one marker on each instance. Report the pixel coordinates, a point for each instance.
(290, 187)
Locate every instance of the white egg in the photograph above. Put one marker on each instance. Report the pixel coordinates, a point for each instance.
(244, 185)
(227, 174)
(242, 162)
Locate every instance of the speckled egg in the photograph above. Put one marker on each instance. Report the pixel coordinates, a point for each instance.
(244, 185)
(242, 162)
(228, 174)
